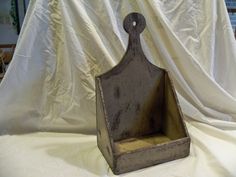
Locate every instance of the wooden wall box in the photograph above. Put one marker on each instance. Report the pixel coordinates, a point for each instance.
(139, 120)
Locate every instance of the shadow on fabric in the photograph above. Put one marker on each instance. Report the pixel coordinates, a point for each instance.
(84, 155)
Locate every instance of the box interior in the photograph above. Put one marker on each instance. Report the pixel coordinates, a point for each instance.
(167, 126)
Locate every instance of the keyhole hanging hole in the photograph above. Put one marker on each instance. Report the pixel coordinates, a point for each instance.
(134, 23)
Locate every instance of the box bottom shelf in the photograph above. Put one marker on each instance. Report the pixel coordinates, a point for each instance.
(132, 144)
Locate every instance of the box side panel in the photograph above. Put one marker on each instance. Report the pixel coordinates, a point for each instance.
(173, 125)
(103, 139)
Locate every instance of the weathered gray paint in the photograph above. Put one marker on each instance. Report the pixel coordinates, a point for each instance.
(139, 121)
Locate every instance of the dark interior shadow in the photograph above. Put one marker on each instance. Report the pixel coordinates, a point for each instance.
(84, 155)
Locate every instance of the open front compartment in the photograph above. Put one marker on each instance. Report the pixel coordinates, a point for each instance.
(163, 120)
(135, 118)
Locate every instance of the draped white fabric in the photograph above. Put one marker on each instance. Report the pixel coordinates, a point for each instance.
(213, 154)
(64, 44)
(49, 85)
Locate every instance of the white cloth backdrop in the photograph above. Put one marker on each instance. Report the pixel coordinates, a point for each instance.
(49, 85)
